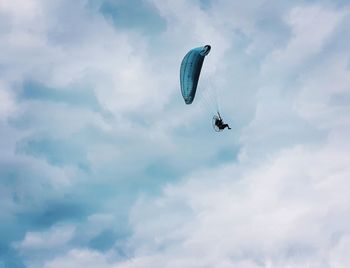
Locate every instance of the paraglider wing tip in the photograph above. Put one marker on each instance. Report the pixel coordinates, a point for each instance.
(206, 50)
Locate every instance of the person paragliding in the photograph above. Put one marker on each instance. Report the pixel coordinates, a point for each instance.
(190, 71)
(219, 123)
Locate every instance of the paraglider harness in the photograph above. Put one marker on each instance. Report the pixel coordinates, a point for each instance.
(218, 123)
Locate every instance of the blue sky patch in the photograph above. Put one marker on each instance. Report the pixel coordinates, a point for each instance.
(135, 14)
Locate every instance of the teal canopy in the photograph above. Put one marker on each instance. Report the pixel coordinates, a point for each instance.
(190, 70)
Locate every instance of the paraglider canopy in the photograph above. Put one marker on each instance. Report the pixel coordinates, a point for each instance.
(190, 70)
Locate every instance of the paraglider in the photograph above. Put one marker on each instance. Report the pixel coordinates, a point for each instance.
(190, 71)
(218, 123)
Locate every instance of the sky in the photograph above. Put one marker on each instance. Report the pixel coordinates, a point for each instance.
(103, 165)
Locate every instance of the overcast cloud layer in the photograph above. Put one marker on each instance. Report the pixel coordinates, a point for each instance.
(103, 165)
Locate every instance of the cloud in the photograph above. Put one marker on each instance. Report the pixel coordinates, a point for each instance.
(289, 210)
(312, 26)
(280, 213)
(53, 238)
(78, 258)
(102, 160)
(140, 15)
(7, 102)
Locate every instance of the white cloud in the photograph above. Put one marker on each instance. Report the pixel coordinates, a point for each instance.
(40, 246)
(40, 47)
(7, 101)
(80, 258)
(283, 204)
(317, 99)
(22, 12)
(290, 210)
(280, 213)
(338, 255)
(312, 26)
(55, 237)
